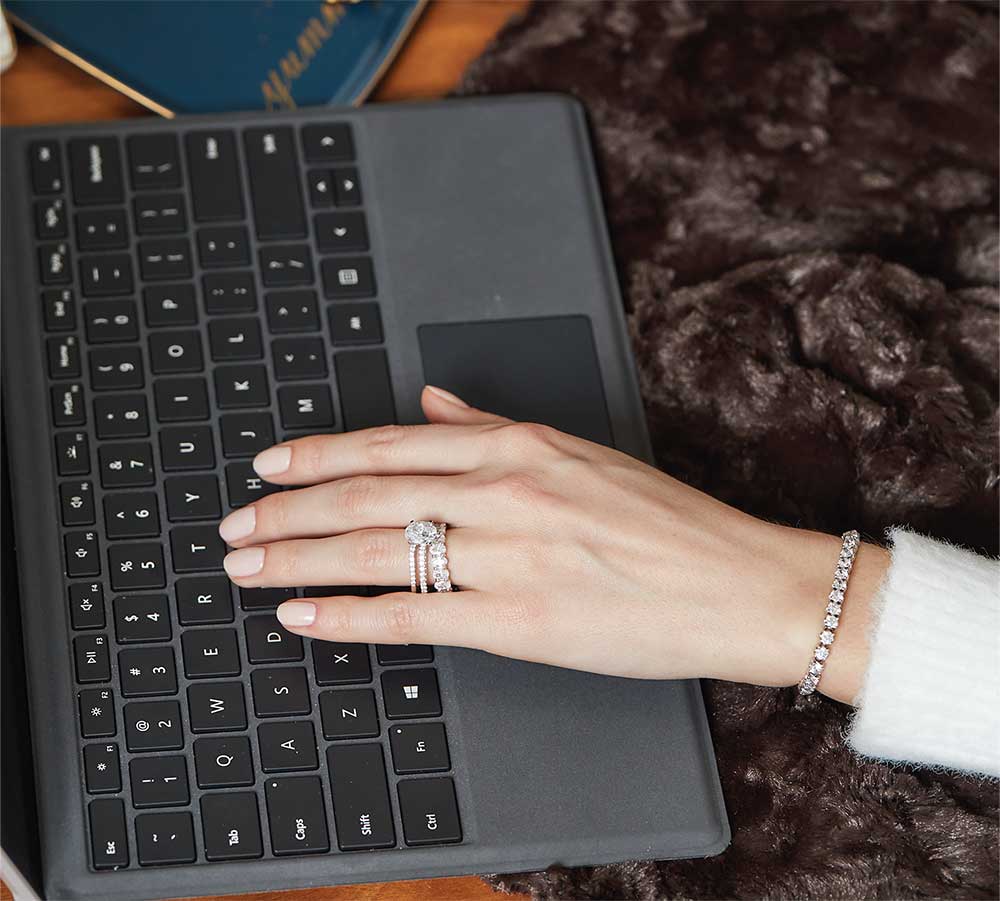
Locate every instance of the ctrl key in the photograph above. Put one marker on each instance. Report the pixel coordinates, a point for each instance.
(296, 814)
(429, 811)
(108, 842)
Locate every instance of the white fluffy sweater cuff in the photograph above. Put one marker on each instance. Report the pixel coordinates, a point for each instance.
(932, 691)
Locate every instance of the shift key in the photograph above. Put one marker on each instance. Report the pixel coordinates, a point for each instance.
(360, 797)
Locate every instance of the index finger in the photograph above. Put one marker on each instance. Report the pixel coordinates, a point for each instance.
(386, 450)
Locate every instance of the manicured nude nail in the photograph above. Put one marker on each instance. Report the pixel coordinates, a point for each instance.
(297, 613)
(447, 396)
(273, 461)
(246, 561)
(238, 525)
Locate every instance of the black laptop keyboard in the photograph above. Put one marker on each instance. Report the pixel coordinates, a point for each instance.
(205, 294)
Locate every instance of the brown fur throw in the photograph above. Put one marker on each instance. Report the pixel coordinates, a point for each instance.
(802, 199)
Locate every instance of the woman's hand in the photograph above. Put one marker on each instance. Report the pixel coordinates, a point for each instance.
(566, 553)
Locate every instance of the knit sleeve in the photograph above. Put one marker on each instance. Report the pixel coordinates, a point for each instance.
(931, 694)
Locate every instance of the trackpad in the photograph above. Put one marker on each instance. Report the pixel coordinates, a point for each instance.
(535, 370)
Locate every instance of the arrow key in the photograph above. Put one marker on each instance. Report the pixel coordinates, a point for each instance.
(193, 497)
(341, 232)
(346, 188)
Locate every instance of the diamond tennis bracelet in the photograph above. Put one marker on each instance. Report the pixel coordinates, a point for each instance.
(836, 600)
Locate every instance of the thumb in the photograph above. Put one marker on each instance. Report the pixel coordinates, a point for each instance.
(442, 406)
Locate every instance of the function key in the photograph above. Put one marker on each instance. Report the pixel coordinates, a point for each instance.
(229, 292)
(345, 277)
(346, 188)
(168, 305)
(54, 263)
(286, 264)
(83, 557)
(101, 230)
(296, 814)
(121, 417)
(274, 183)
(429, 811)
(287, 746)
(159, 781)
(97, 712)
(108, 840)
(86, 605)
(64, 357)
(164, 838)
(95, 170)
(59, 310)
(341, 232)
(419, 748)
(159, 214)
(45, 158)
(102, 768)
(355, 323)
(223, 762)
(73, 453)
(153, 726)
(76, 501)
(410, 693)
(214, 175)
(154, 161)
(180, 399)
(93, 662)
(165, 259)
(186, 447)
(231, 823)
(107, 275)
(360, 797)
(136, 567)
(329, 142)
(50, 219)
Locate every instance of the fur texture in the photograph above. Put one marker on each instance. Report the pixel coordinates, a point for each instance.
(802, 199)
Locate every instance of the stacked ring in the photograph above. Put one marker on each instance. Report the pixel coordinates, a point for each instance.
(428, 538)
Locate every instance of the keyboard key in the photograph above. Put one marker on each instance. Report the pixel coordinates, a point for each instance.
(229, 292)
(215, 178)
(169, 305)
(93, 663)
(131, 515)
(223, 762)
(349, 714)
(59, 310)
(346, 187)
(338, 663)
(102, 768)
(136, 567)
(83, 556)
(46, 167)
(287, 746)
(320, 188)
(204, 600)
(186, 447)
(360, 797)
(355, 323)
(97, 712)
(419, 748)
(296, 815)
(172, 352)
(164, 838)
(180, 399)
(429, 811)
(101, 230)
(244, 486)
(154, 161)
(67, 405)
(159, 214)
(193, 497)
(159, 782)
(124, 416)
(115, 368)
(264, 598)
(164, 259)
(217, 707)
(305, 406)
(223, 246)
(292, 311)
(341, 232)
(231, 824)
(76, 502)
(273, 170)
(246, 434)
(50, 219)
(210, 652)
(235, 339)
(346, 277)
(72, 453)
(108, 839)
(54, 264)
(280, 692)
(95, 170)
(86, 605)
(111, 322)
(297, 359)
(365, 389)
(142, 617)
(396, 654)
(107, 275)
(196, 549)
(268, 642)
(329, 142)
(153, 726)
(286, 264)
(147, 671)
(241, 386)
(410, 693)
(126, 465)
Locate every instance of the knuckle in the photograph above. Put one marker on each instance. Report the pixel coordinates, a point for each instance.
(520, 488)
(382, 442)
(271, 514)
(283, 563)
(399, 621)
(356, 495)
(374, 554)
(530, 438)
(308, 455)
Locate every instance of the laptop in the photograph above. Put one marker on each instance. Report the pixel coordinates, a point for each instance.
(178, 295)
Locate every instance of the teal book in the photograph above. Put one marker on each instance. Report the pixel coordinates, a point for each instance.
(199, 56)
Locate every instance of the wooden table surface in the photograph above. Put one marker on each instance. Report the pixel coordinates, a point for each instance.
(41, 87)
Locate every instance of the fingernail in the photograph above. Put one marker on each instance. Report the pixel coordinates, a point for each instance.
(247, 561)
(238, 525)
(297, 613)
(447, 396)
(272, 461)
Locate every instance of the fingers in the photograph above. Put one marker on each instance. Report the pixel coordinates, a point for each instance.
(444, 407)
(460, 619)
(367, 557)
(361, 502)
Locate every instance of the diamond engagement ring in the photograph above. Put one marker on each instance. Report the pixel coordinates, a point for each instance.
(427, 540)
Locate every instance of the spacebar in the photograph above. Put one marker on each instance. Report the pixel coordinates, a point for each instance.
(365, 389)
